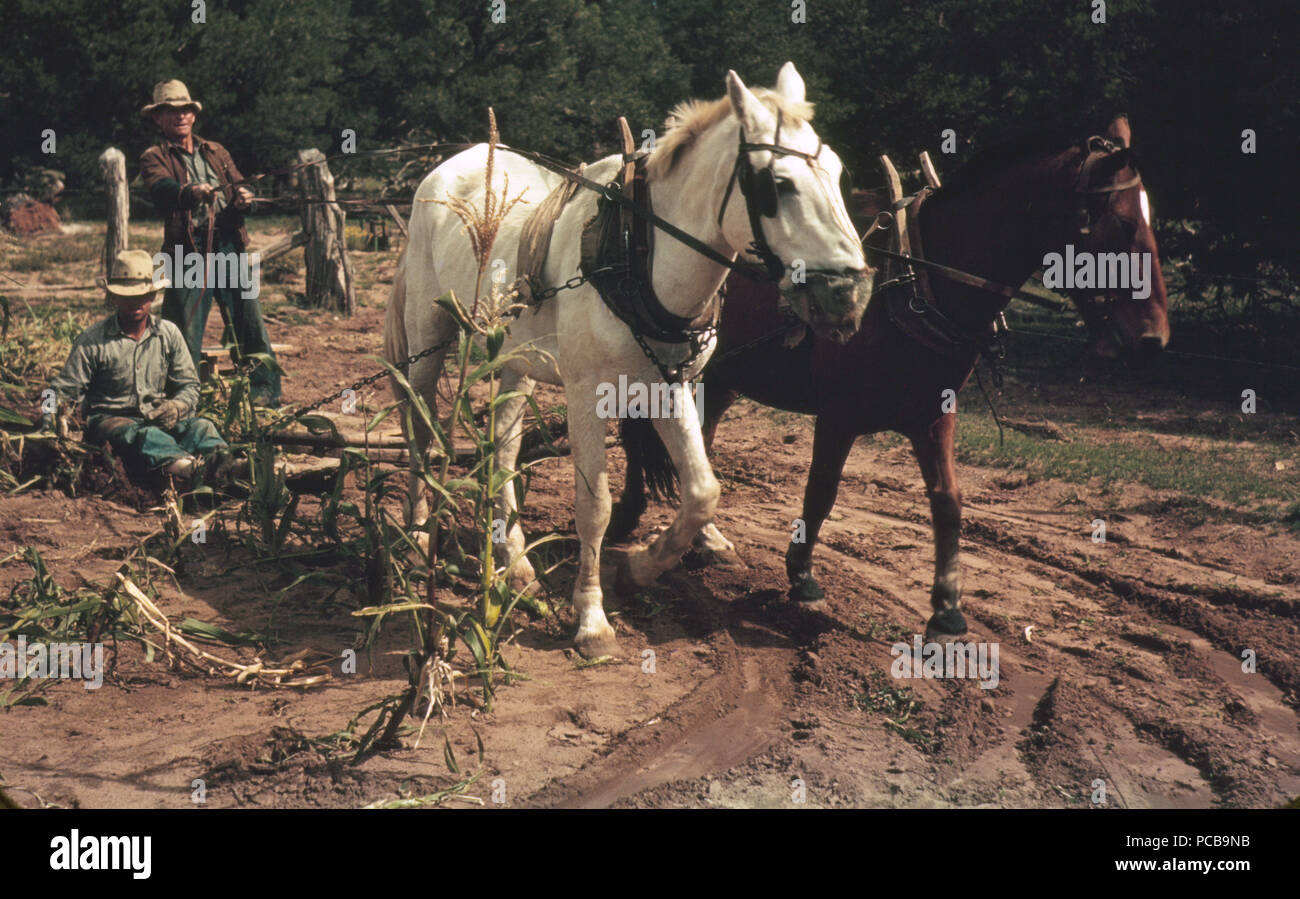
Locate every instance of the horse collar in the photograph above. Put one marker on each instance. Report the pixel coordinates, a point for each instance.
(914, 311)
(617, 258)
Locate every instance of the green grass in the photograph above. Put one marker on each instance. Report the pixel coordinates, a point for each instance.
(1212, 468)
(879, 695)
(69, 249)
(889, 631)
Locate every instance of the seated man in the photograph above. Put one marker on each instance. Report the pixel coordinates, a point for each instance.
(136, 376)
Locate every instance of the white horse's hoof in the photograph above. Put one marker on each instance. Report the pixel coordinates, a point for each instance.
(719, 558)
(523, 578)
(710, 538)
(596, 643)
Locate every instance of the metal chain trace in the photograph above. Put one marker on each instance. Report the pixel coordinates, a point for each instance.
(264, 433)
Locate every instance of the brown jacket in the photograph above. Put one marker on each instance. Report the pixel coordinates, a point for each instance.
(168, 185)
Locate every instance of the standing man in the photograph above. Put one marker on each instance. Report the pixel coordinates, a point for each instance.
(189, 180)
(134, 374)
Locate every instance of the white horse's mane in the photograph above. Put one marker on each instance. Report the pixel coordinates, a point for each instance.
(691, 118)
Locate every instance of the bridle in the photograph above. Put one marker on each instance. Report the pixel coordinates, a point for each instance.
(1098, 149)
(1101, 304)
(758, 187)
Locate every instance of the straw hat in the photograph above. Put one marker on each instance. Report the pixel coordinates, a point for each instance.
(171, 93)
(132, 275)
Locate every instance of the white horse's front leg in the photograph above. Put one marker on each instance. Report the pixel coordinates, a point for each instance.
(591, 510)
(699, 493)
(509, 436)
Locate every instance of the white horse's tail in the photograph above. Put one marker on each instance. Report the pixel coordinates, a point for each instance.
(396, 347)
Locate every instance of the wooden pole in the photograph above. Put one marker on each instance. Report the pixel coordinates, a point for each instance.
(329, 273)
(397, 217)
(112, 163)
(284, 245)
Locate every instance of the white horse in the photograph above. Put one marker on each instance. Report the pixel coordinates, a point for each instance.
(585, 345)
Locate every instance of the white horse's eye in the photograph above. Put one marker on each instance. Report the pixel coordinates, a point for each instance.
(1146, 205)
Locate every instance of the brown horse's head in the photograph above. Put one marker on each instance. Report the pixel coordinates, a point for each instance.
(1114, 216)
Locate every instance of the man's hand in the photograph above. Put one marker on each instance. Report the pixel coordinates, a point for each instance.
(166, 414)
(57, 422)
(243, 198)
(202, 193)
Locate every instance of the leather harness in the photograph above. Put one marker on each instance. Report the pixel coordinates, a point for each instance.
(914, 311)
(618, 249)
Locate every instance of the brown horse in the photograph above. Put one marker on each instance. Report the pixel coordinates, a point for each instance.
(997, 221)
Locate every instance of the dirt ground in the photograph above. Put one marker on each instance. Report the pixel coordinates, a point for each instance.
(1120, 662)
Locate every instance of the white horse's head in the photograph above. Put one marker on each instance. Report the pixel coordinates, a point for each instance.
(792, 215)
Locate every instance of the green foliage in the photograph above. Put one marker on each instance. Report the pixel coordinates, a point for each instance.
(43, 612)
(463, 509)
(888, 76)
(1221, 469)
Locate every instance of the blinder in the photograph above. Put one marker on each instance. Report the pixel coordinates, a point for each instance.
(761, 189)
(760, 193)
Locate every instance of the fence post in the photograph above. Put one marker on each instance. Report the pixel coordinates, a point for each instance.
(112, 163)
(329, 273)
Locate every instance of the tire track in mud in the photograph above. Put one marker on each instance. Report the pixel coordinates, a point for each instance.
(727, 719)
(1213, 735)
(1133, 676)
(1152, 749)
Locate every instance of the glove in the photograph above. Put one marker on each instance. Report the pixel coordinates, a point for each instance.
(166, 414)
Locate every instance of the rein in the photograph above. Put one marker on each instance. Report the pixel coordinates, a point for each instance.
(610, 192)
(885, 218)
(955, 274)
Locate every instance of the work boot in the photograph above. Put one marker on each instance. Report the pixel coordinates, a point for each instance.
(187, 467)
(225, 467)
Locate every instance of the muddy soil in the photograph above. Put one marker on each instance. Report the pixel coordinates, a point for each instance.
(1120, 664)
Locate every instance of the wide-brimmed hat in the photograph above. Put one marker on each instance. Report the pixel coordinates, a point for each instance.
(171, 93)
(132, 275)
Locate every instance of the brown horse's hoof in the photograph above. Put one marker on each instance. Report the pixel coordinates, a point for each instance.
(807, 592)
(946, 623)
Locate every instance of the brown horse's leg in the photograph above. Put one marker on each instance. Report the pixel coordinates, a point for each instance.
(631, 505)
(716, 403)
(831, 445)
(934, 452)
(627, 512)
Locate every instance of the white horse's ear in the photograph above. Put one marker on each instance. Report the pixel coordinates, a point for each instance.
(753, 115)
(789, 83)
